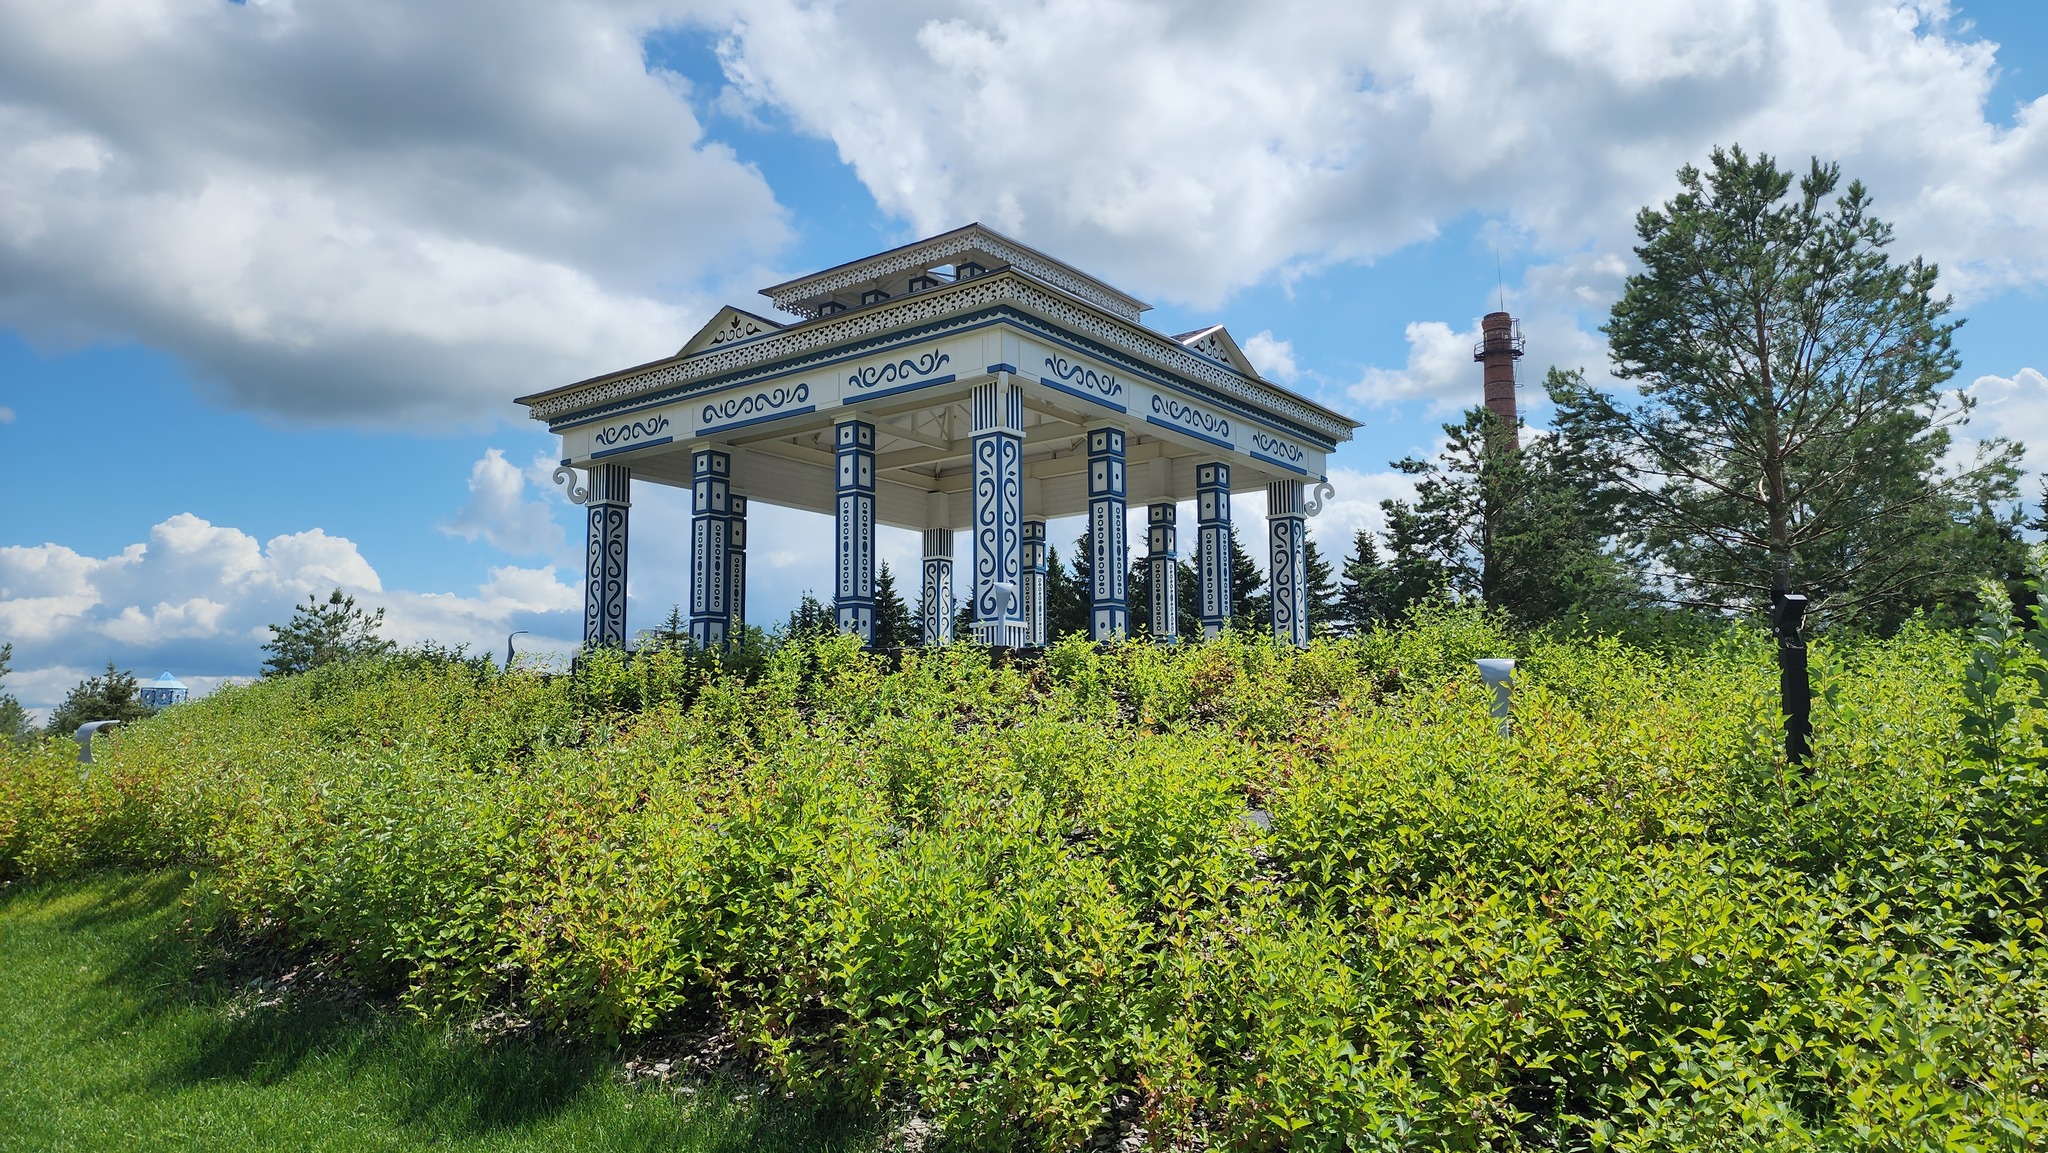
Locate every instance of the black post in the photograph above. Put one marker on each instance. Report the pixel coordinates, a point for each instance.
(1795, 692)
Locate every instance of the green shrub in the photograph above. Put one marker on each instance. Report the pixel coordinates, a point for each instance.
(1267, 898)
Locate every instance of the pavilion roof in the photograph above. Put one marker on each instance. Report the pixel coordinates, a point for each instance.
(978, 244)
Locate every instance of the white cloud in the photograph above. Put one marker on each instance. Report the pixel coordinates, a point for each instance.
(1439, 369)
(368, 213)
(498, 511)
(197, 598)
(1273, 357)
(6, 415)
(1356, 506)
(2014, 407)
(1189, 149)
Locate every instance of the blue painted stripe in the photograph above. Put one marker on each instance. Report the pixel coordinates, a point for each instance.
(1281, 463)
(1181, 428)
(892, 390)
(1070, 390)
(952, 326)
(631, 447)
(708, 430)
(1002, 368)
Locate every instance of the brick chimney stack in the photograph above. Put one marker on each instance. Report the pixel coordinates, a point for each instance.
(1499, 347)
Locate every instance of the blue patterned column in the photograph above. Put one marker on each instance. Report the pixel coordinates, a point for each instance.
(710, 555)
(1162, 549)
(854, 446)
(1034, 583)
(604, 562)
(998, 512)
(736, 561)
(935, 610)
(1287, 532)
(1109, 613)
(1212, 521)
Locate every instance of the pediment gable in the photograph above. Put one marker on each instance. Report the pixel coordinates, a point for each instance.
(1215, 342)
(729, 325)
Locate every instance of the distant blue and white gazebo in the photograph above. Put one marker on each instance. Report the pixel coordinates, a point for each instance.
(962, 382)
(163, 692)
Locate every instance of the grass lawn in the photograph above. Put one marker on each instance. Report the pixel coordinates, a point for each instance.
(117, 1031)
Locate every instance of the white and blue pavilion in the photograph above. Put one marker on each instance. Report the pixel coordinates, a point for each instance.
(163, 692)
(962, 383)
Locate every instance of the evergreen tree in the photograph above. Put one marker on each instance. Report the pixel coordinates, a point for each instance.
(1251, 606)
(673, 632)
(108, 697)
(1366, 596)
(1789, 432)
(1522, 530)
(14, 723)
(1188, 619)
(320, 634)
(1322, 590)
(1066, 592)
(810, 618)
(895, 625)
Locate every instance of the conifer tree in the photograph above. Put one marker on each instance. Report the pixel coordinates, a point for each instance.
(1251, 606)
(112, 696)
(810, 618)
(1790, 432)
(1365, 596)
(1322, 590)
(1066, 592)
(14, 723)
(895, 625)
(322, 633)
(675, 631)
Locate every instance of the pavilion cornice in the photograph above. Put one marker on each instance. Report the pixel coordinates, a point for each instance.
(851, 333)
(799, 297)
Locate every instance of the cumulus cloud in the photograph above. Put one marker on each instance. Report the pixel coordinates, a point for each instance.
(499, 513)
(197, 598)
(6, 415)
(1189, 149)
(371, 213)
(2014, 407)
(1273, 357)
(1439, 369)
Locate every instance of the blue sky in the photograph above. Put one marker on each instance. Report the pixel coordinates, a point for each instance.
(268, 285)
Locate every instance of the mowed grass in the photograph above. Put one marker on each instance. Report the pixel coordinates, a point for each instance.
(121, 1030)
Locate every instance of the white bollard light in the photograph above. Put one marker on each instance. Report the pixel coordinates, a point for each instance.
(1499, 675)
(84, 737)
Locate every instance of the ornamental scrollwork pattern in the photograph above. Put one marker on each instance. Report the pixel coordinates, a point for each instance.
(1191, 416)
(738, 406)
(632, 430)
(566, 477)
(981, 292)
(906, 369)
(1320, 495)
(1273, 445)
(1081, 374)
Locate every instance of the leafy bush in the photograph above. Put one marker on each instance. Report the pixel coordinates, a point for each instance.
(1263, 898)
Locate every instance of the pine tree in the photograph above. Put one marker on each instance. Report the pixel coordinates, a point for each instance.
(1322, 590)
(1524, 530)
(1790, 432)
(810, 618)
(1188, 621)
(673, 632)
(1066, 592)
(108, 697)
(1366, 595)
(320, 634)
(895, 624)
(14, 724)
(1251, 607)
